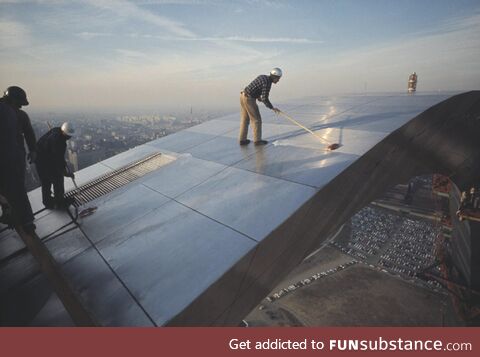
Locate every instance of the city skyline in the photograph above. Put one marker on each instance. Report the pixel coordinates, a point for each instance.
(176, 53)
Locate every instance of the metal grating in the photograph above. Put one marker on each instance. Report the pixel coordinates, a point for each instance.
(109, 182)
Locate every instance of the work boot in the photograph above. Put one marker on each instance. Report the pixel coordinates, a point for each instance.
(49, 205)
(29, 228)
(244, 142)
(261, 142)
(49, 202)
(65, 203)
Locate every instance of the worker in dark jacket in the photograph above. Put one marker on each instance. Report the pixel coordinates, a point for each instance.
(258, 89)
(12, 186)
(51, 164)
(16, 98)
(26, 133)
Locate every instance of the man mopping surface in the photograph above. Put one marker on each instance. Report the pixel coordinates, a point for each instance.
(258, 89)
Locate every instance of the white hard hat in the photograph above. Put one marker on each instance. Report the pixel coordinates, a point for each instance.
(276, 72)
(68, 129)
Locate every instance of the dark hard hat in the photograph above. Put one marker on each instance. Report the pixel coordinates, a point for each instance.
(17, 94)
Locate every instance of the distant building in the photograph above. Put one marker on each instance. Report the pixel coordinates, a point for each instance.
(412, 83)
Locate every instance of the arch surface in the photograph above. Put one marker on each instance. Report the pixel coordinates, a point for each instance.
(202, 239)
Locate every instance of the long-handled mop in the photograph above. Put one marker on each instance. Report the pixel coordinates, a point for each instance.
(330, 146)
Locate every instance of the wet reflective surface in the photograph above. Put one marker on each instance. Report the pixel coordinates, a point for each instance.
(178, 244)
(131, 155)
(10, 243)
(170, 256)
(180, 142)
(119, 209)
(182, 175)
(250, 203)
(313, 167)
(102, 292)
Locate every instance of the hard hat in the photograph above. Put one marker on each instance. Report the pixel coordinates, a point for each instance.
(17, 94)
(68, 129)
(276, 72)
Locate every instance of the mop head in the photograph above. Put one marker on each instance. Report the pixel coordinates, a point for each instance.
(332, 147)
(287, 142)
(87, 212)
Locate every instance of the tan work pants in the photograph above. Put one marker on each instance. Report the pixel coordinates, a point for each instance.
(249, 112)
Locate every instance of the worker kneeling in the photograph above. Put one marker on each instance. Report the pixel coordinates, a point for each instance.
(51, 165)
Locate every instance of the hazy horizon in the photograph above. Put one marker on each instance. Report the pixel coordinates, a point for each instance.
(173, 54)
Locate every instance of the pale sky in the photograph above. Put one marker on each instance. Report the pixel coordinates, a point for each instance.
(176, 53)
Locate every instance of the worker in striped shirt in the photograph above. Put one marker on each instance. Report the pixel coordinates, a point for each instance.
(259, 89)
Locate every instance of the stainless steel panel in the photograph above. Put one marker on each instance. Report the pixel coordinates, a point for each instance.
(182, 175)
(354, 142)
(270, 132)
(233, 117)
(250, 203)
(119, 209)
(52, 314)
(53, 222)
(192, 261)
(10, 243)
(223, 150)
(172, 255)
(313, 167)
(68, 245)
(100, 291)
(16, 271)
(130, 156)
(367, 122)
(214, 127)
(180, 142)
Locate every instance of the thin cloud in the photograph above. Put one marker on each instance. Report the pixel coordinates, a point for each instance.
(131, 10)
(252, 39)
(268, 39)
(89, 35)
(277, 4)
(13, 34)
(47, 2)
(456, 38)
(175, 2)
(446, 58)
(130, 53)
